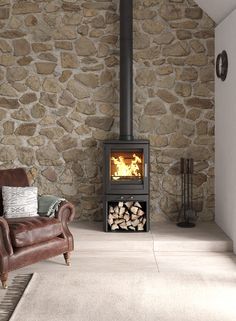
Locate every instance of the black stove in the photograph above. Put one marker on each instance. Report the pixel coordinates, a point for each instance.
(126, 161)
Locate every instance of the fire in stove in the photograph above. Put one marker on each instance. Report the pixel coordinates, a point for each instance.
(126, 166)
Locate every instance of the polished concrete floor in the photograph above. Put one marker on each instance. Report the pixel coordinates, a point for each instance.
(204, 250)
(165, 248)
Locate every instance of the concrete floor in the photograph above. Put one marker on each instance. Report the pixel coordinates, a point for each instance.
(166, 248)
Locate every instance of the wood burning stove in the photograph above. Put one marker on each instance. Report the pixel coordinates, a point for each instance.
(126, 185)
(126, 161)
(126, 167)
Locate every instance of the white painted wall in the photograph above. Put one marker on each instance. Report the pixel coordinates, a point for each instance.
(225, 102)
(217, 9)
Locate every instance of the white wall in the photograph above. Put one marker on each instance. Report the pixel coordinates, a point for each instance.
(225, 102)
(217, 9)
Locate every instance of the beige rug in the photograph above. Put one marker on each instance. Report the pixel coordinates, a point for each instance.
(128, 297)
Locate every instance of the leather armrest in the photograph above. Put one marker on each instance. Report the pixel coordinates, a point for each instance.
(5, 240)
(66, 212)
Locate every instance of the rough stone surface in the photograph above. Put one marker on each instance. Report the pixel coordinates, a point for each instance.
(21, 47)
(104, 123)
(16, 73)
(59, 96)
(85, 47)
(28, 98)
(26, 129)
(45, 68)
(69, 60)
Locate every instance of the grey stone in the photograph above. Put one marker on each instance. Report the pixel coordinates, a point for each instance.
(67, 142)
(85, 47)
(66, 124)
(104, 123)
(26, 129)
(26, 155)
(155, 107)
(48, 155)
(77, 90)
(21, 47)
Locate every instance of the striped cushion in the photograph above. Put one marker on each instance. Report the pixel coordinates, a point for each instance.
(20, 201)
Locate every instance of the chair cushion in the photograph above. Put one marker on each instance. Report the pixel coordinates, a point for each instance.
(33, 230)
(20, 201)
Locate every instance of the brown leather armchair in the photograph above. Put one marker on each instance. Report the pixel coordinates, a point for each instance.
(24, 241)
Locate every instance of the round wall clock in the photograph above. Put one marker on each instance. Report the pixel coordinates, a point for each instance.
(222, 65)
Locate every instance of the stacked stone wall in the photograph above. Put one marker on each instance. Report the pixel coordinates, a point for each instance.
(59, 96)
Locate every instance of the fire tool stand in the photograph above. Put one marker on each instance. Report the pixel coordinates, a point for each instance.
(187, 213)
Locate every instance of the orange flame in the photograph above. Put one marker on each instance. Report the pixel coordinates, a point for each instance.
(123, 169)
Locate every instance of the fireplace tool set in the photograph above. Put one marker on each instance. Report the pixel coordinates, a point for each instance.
(187, 213)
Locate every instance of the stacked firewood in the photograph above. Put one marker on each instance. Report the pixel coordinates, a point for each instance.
(127, 216)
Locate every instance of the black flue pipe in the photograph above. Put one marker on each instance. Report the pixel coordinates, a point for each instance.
(126, 70)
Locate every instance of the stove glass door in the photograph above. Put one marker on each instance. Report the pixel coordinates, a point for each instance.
(126, 166)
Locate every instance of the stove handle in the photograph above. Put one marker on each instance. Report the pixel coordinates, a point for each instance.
(145, 170)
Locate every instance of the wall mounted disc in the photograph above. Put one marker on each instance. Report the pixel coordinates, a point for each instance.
(222, 65)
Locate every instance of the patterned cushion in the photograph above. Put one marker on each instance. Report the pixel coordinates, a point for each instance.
(20, 201)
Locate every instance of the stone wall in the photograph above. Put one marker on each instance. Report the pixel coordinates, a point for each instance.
(59, 77)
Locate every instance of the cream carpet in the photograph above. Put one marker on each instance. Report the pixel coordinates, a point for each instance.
(128, 297)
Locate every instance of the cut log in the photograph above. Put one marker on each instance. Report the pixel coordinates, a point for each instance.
(129, 204)
(114, 227)
(119, 221)
(135, 223)
(110, 221)
(140, 227)
(122, 210)
(134, 217)
(124, 226)
(134, 209)
(137, 204)
(126, 217)
(120, 204)
(132, 228)
(128, 223)
(116, 210)
(140, 212)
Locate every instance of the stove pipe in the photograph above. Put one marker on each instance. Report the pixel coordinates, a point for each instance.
(126, 70)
